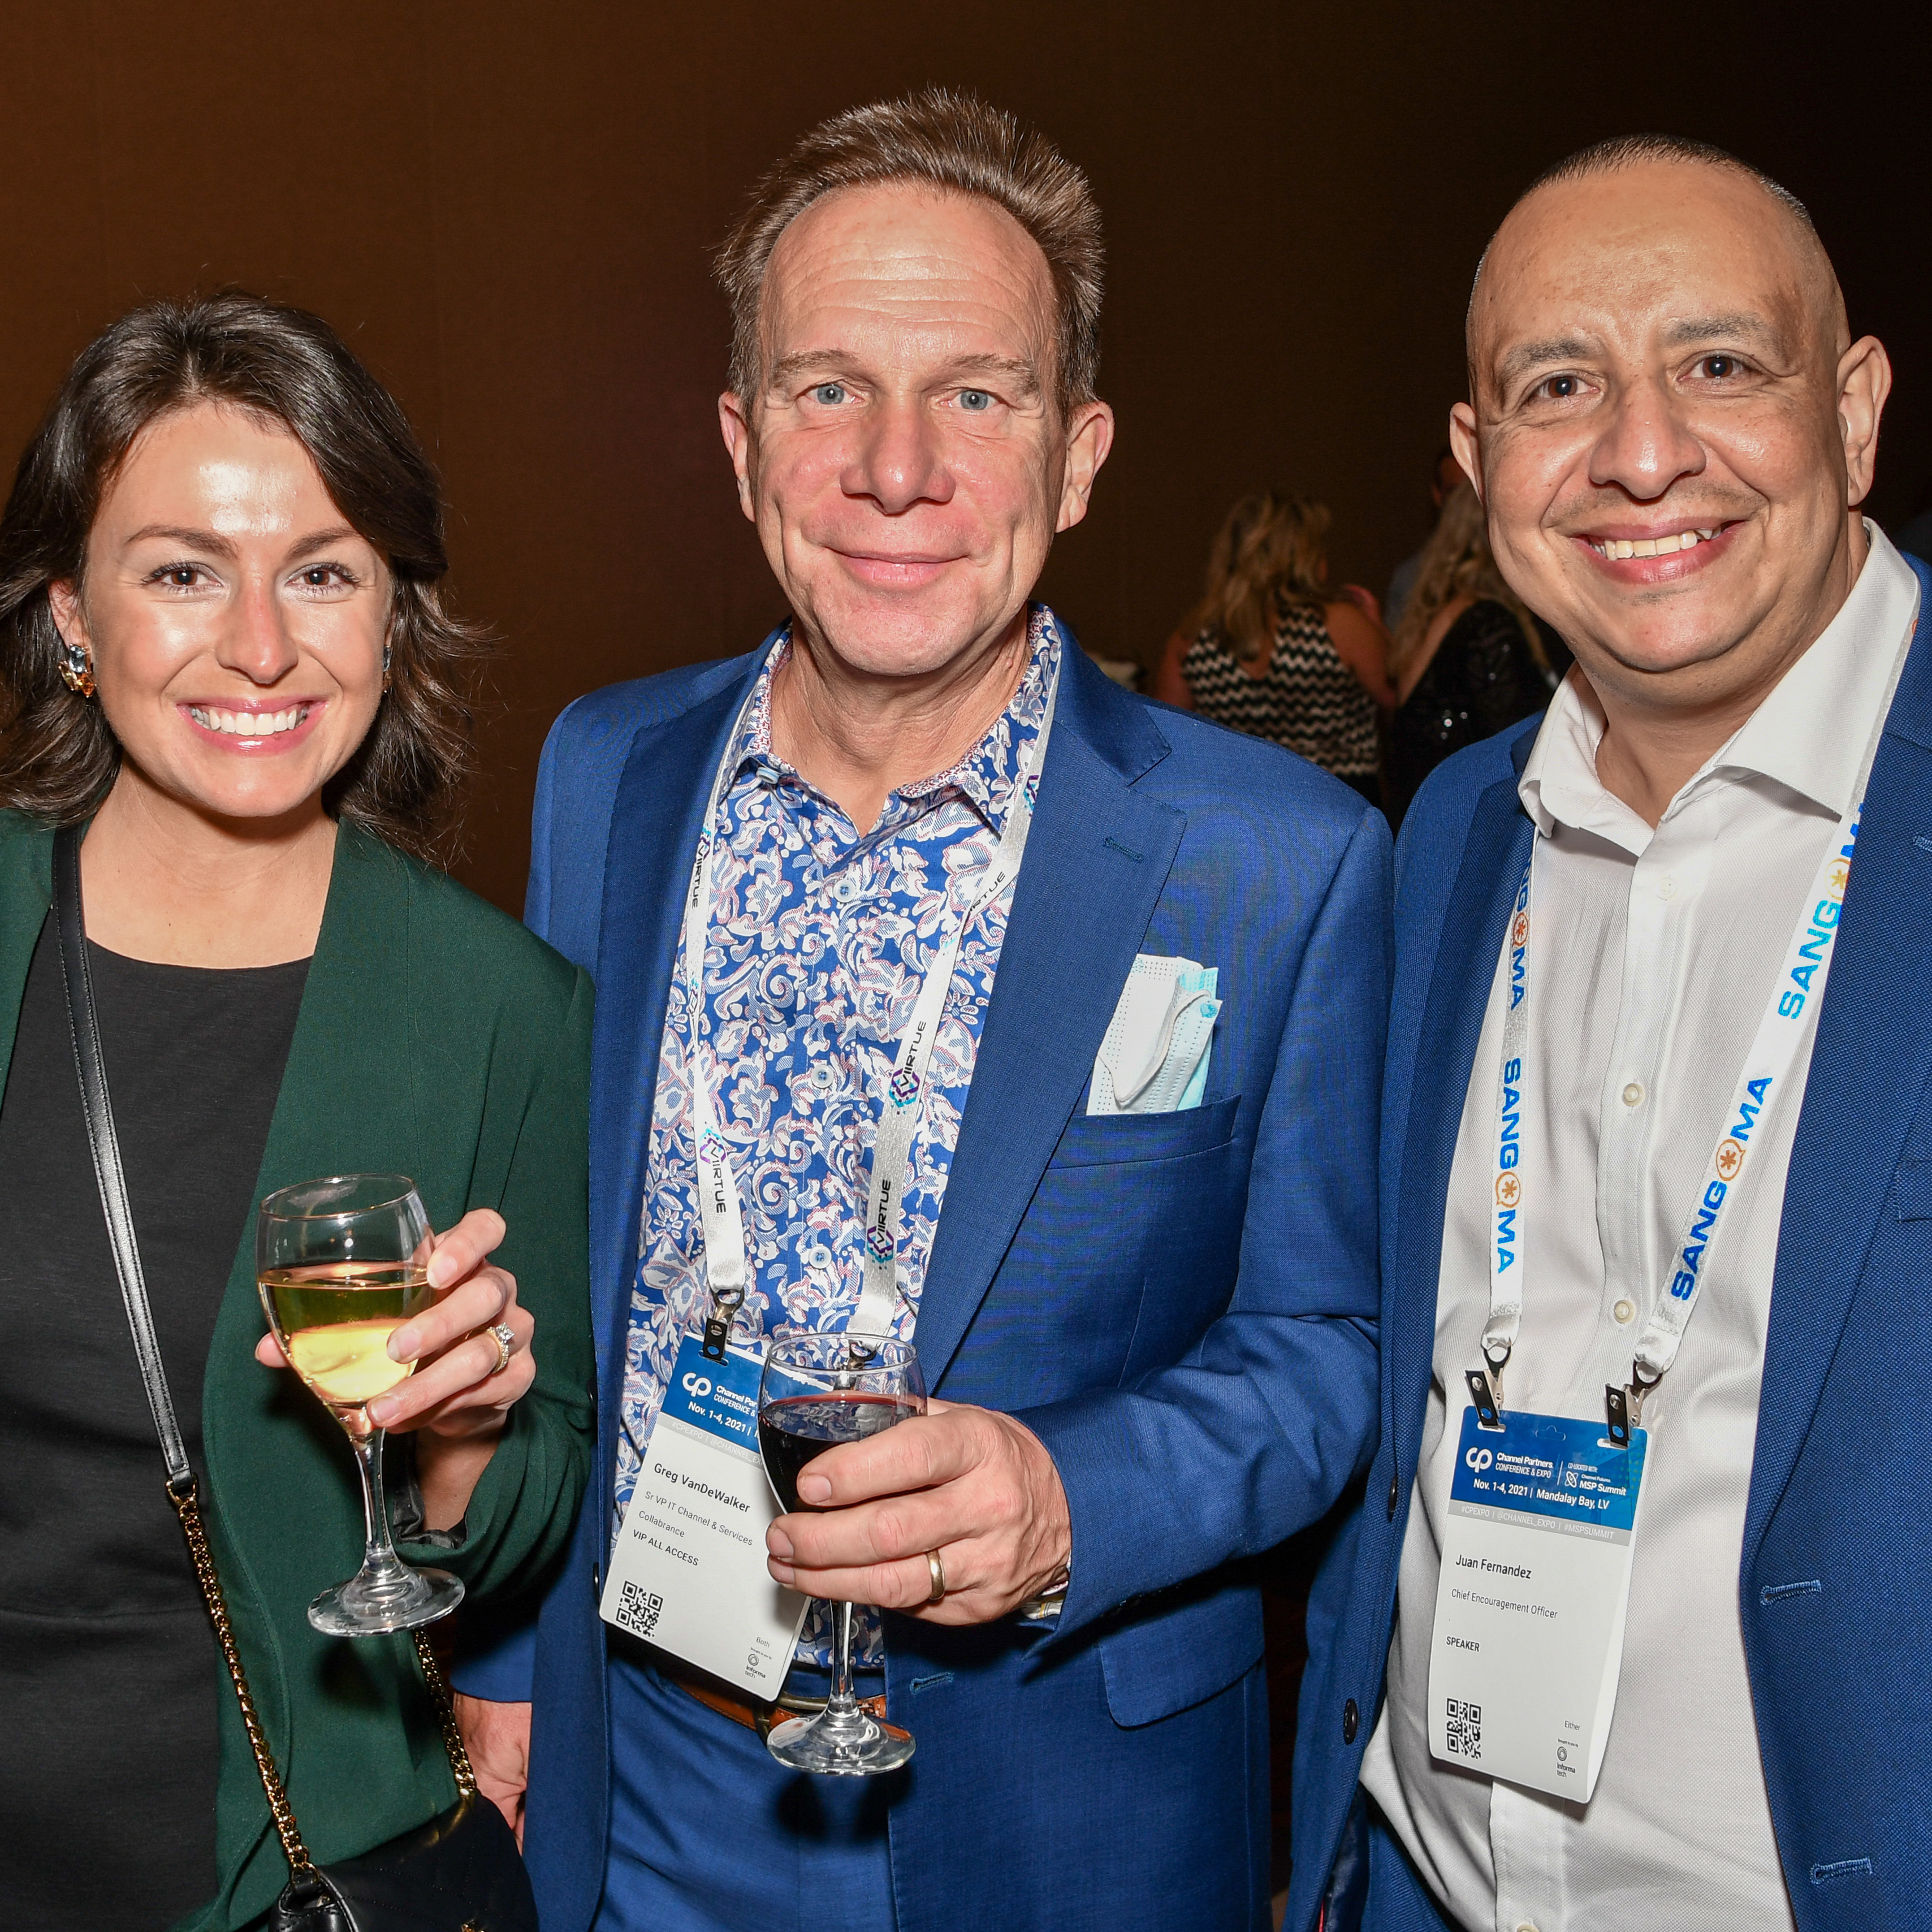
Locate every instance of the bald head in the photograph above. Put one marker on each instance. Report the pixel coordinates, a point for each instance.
(1669, 421)
(1659, 181)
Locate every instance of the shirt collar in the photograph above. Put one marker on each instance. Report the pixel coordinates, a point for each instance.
(985, 777)
(1810, 734)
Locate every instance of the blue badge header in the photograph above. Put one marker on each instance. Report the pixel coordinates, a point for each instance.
(1549, 1465)
(720, 1398)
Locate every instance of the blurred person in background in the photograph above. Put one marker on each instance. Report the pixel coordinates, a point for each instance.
(1273, 651)
(1467, 658)
(1444, 476)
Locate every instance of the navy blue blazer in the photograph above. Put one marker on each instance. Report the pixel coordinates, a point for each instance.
(1835, 1587)
(1182, 1305)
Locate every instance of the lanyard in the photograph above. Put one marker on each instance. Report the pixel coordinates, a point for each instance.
(1799, 986)
(725, 1266)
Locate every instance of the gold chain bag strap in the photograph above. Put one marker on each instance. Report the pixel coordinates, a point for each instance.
(461, 1872)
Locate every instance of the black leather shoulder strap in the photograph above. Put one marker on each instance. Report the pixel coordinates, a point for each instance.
(92, 1069)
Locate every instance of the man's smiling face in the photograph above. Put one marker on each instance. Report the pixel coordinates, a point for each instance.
(908, 464)
(1660, 362)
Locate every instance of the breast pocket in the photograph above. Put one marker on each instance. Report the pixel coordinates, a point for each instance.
(1123, 1195)
(1104, 1140)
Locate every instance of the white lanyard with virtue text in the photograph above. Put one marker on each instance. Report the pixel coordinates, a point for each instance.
(687, 1572)
(725, 1263)
(1767, 1069)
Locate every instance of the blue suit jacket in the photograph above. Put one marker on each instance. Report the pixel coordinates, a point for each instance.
(1835, 1588)
(1181, 1306)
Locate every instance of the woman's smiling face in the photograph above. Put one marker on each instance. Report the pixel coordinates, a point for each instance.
(235, 619)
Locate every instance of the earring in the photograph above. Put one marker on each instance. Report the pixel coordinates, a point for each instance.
(389, 651)
(76, 669)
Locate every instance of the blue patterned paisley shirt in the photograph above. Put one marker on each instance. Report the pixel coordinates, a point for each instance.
(819, 939)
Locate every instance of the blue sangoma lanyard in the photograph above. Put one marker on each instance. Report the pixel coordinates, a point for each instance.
(1767, 1073)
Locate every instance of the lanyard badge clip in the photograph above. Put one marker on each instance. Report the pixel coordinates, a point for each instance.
(1617, 1415)
(1486, 1391)
(1623, 1407)
(725, 1303)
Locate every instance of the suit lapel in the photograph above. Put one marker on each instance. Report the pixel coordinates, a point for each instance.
(1869, 1067)
(654, 828)
(1474, 920)
(1096, 859)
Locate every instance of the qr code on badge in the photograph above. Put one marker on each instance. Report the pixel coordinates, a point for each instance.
(1465, 1728)
(639, 1610)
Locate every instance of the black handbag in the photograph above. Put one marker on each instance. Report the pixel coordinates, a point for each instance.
(461, 1872)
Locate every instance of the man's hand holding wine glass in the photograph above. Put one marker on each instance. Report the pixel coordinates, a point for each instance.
(972, 1484)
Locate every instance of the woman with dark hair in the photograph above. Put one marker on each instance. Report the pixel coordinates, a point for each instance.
(1468, 658)
(225, 657)
(1272, 649)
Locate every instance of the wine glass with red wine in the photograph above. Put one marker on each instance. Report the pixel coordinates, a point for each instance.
(817, 1391)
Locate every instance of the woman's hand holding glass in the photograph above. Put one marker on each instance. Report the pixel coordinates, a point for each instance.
(462, 1387)
(460, 1394)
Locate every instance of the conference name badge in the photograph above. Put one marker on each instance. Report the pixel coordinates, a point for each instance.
(688, 1572)
(1528, 1640)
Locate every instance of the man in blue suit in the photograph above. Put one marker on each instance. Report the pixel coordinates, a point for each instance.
(1133, 1230)
(1658, 1133)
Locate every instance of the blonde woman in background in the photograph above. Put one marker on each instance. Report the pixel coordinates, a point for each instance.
(1467, 658)
(1272, 650)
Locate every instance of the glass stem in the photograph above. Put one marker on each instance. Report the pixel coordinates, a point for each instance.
(841, 1701)
(379, 1553)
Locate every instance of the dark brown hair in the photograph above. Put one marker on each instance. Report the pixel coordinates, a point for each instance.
(58, 756)
(943, 138)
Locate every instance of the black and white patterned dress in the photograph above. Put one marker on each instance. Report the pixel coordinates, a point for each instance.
(1310, 701)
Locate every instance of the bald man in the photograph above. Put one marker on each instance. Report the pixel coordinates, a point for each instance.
(1630, 1630)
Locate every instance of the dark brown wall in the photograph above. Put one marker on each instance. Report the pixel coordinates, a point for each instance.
(507, 208)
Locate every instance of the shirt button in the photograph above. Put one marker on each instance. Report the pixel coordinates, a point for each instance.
(1633, 1094)
(1666, 889)
(1351, 1720)
(1528, 1925)
(1625, 1312)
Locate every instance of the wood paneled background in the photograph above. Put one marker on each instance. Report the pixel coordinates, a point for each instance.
(507, 208)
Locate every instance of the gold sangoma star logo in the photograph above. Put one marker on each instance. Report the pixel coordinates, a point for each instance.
(1730, 1158)
(1836, 875)
(1509, 1190)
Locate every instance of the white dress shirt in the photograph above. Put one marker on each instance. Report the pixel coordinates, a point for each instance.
(1654, 954)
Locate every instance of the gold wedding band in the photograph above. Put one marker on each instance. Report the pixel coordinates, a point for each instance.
(505, 1337)
(937, 1571)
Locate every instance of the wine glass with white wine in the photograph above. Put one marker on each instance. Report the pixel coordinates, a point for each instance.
(341, 1264)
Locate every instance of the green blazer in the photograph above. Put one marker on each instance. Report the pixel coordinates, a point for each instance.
(438, 1038)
